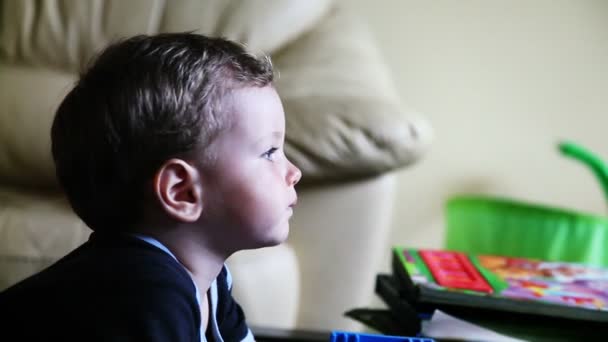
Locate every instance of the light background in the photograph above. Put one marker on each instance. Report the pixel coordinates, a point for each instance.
(501, 83)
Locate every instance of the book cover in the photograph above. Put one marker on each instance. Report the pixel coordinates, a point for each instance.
(438, 278)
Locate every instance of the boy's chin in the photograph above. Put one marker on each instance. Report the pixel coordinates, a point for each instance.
(272, 237)
(278, 236)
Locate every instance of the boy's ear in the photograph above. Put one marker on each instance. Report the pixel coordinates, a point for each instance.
(178, 188)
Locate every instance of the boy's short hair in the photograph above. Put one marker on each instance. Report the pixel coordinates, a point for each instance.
(142, 101)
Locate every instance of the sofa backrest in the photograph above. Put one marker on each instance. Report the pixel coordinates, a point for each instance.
(344, 119)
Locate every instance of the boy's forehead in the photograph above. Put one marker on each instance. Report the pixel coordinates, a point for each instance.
(257, 97)
(259, 108)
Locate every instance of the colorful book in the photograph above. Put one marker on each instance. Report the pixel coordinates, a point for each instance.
(448, 279)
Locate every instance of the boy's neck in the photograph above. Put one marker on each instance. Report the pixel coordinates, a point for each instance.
(200, 260)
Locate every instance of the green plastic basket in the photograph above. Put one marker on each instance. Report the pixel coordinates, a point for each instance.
(491, 225)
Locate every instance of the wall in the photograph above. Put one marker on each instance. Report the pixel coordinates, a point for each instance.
(501, 82)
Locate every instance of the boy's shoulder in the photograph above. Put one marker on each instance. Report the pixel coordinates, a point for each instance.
(128, 258)
(109, 281)
(111, 263)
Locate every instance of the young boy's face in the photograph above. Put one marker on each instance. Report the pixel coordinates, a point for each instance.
(249, 194)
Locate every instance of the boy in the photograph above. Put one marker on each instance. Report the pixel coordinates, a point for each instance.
(170, 148)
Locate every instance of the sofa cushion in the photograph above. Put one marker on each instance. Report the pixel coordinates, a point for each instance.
(28, 100)
(344, 118)
(26, 217)
(277, 271)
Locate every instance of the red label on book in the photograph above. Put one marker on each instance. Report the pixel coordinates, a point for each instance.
(454, 270)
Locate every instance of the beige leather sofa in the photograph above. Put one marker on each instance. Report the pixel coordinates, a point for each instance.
(346, 130)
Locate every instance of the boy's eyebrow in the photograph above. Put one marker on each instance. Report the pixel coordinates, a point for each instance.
(275, 135)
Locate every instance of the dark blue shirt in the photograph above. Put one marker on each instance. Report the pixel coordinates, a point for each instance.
(116, 288)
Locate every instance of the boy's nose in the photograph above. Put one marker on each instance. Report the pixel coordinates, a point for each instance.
(294, 175)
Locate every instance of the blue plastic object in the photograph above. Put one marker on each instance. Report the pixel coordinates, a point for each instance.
(344, 336)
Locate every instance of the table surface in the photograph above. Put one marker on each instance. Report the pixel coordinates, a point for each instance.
(284, 335)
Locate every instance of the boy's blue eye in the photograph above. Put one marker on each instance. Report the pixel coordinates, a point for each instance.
(269, 154)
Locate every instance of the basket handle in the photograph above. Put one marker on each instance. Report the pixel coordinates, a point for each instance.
(597, 166)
